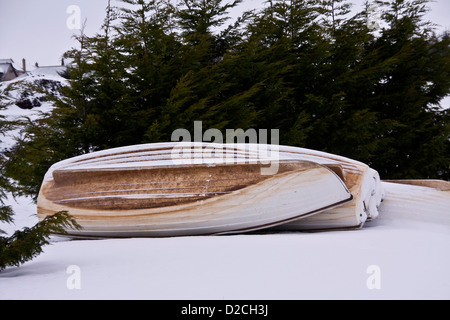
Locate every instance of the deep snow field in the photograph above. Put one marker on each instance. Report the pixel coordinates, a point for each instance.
(404, 254)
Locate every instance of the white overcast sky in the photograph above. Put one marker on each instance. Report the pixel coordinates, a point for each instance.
(37, 29)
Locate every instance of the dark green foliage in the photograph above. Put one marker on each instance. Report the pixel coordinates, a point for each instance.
(5, 211)
(324, 78)
(26, 244)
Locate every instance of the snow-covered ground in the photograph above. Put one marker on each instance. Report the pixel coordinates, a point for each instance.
(16, 90)
(404, 254)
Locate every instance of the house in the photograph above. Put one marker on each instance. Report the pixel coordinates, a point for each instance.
(7, 70)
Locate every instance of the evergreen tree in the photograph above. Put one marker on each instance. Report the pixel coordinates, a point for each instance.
(6, 212)
(415, 141)
(198, 17)
(267, 66)
(155, 60)
(98, 95)
(24, 244)
(203, 89)
(334, 12)
(341, 122)
(200, 20)
(325, 79)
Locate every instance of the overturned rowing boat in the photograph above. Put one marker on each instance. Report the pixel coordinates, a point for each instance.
(175, 189)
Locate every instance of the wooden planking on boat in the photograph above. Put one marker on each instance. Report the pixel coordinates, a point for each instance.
(135, 191)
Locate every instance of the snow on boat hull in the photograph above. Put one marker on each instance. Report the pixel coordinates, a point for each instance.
(441, 185)
(139, 191)
(417, 200)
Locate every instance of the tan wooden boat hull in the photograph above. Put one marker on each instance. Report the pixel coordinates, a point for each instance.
(140, 191)
(441, 185)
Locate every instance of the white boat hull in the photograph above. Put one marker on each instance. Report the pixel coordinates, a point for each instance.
(141, 191)
(362, 181)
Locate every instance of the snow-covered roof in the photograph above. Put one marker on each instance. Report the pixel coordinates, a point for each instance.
(7, 61)
(4, 67)
(48, 70)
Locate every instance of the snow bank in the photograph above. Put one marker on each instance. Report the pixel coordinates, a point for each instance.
(17, 93)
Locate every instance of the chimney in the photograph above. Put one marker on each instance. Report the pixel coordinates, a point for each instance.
(24, 65)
